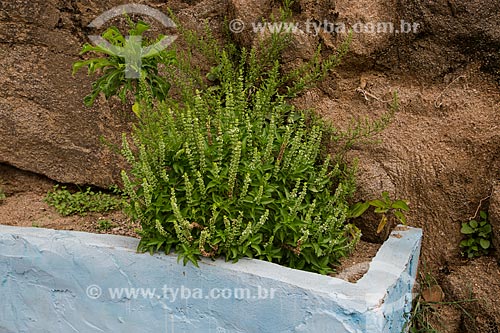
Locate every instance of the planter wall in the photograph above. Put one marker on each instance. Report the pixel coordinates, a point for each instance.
(63, 281)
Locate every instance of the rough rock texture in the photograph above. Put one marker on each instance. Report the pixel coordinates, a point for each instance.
(446, 319)
(453, 33)
(494, 218)
(366, 47)
(44, 126)
(46, 129)
(243, 14)
(476, 286)
(442, 151)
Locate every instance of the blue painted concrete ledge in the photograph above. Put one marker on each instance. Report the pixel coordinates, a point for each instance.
(64, 281)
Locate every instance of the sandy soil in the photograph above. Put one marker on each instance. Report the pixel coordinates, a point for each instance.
(25, 207)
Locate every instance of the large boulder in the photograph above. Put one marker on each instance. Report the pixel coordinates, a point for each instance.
(494, 218)
(244, 15)
(452, 33)
(44, 126)
(473, 288)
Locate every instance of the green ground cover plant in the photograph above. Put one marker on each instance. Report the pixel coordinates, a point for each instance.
(67, 203)
(105, 225)
(477, 233)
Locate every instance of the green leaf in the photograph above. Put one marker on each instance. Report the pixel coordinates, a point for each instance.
(473, 224)
(483, 215)
(257, 249)
(466, 229)
(267, 201)
(211, 76)
(400, 216)
(485, 244)
(136, 108)
(139, 29)
(486, 228)
(358, 209)
(400, 204)
(378, 203)
(77, 65)
(97, 49)
(114, 36)
(380, 210)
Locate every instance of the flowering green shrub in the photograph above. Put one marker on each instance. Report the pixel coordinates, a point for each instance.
(229, 167)
(239, 172)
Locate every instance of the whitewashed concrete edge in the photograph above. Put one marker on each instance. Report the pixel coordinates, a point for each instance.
(45, 276)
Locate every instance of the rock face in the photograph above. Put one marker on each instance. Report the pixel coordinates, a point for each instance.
(44, 126)
(244, 15)
(452, 33)
(440, 153)
(494, 218)
(476, 285)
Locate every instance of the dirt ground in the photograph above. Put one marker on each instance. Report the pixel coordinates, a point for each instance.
(24, 207)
